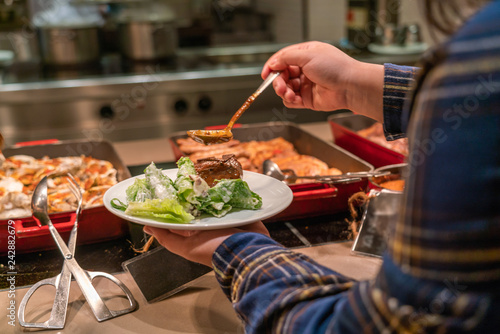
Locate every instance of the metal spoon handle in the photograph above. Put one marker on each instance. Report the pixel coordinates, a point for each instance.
(367, 174)
(250, 100)
(338, 176)
(270, 78)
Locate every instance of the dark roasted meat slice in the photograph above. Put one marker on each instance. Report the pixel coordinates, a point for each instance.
(212, 169)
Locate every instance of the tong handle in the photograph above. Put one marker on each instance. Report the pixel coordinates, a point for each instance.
(62, 283)
(84, 281)
(337, 178)
(99, 308)
(132, 302)
(58, 314)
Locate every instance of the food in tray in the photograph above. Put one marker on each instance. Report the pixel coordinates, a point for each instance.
(252, 155)
(395, 185)
(394, 181)
(376, 134)
(157, 196)
(305, 165)
(19, 175)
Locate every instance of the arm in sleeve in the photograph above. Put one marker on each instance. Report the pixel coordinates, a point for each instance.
(274, 289)
(398, 82)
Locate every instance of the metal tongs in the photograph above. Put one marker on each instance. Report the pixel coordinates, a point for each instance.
(270, 168)
(62, 282)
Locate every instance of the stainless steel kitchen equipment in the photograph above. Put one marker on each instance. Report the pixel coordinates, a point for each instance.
(152, 101)
(120, 98)
(122, 101)
(380, 214)
(65, 46)
(148, 39)
(147, 30)
(368, 18)
(68, 34)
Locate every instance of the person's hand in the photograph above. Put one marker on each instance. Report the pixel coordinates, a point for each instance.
(319, 76)
(199, 246)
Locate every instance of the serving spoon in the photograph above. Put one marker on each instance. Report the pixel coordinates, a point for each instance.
(209, 137)
(270, 168)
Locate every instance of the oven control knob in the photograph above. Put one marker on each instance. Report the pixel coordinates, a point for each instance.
(106, 112)
(180, 106)
(205, 103)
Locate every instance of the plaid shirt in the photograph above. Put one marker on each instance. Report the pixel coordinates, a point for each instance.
(441, 273)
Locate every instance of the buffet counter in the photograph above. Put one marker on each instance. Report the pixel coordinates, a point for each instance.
(201, 307)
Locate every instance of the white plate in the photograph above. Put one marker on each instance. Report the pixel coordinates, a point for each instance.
(276, 197)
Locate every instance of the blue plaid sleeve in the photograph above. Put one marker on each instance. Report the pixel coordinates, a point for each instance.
(398, 82)
(269, 285)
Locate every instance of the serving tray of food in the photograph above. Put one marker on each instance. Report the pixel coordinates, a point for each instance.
(96, 166)
(291, 148)
(365, 138)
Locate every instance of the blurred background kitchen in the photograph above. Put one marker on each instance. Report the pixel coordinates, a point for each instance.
(127, 70)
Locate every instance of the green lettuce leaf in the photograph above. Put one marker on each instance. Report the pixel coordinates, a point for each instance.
(217, 209)
(242, 197)
(190, 186)
(186, 167)
(167, 210)
(228, 194)
(184, 182)
(161, 185)
(139, 191)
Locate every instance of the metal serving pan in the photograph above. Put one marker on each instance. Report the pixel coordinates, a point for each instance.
(96, 224)
(344, 128)
(313, 199)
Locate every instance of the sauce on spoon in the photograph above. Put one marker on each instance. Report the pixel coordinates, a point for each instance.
(209, 137)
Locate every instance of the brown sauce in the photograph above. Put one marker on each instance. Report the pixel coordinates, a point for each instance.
(209, 137)
(242, 109)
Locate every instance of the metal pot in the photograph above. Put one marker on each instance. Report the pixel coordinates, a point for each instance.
(147, 40)
(62, 46)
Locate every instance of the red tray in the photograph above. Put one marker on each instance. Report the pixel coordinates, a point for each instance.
(344, 127)
(96, 224)
(309, 199)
